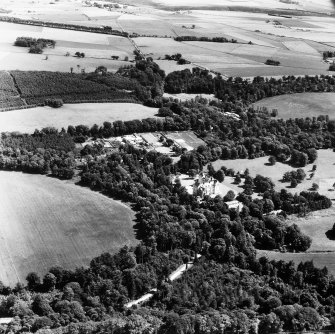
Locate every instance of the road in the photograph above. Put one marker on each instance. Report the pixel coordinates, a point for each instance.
(172, 277)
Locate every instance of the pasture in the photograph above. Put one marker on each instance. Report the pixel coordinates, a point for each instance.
(301, 105)
(320, 260)
(315, 225)
(47, 222)
(324, 175)
(27, 120)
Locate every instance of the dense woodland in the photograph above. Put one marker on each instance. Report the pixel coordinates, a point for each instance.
(228, 290)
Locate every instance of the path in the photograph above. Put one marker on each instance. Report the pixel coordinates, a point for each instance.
(172, 277)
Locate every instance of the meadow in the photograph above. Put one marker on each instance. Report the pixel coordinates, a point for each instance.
(320, 260)
(47, 222)
(324, 175)
(301, 105)
(26, 121)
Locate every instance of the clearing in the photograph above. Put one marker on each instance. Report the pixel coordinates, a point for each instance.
(28, 120)
(47, 222)
(301, 105)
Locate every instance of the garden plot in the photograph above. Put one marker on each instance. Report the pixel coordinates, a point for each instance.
(186, 139)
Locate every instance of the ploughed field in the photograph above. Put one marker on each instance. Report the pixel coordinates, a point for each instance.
(301, 105)
(47, 222)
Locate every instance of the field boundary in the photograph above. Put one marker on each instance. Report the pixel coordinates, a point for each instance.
(96, 30)
(29, 106)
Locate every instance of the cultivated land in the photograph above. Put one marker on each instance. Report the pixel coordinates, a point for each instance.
(301, 105)
(295, 42)
(59, 223)
(28, 120)
(98, 49)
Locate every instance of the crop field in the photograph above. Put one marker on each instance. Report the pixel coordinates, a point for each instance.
(146, 25)
(47, 222)
(301, 105)
(300, 46)
(26, 121)
(98, 49)
(234, 59)
(324, 175)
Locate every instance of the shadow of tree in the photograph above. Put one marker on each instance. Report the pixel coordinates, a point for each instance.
(330, 234)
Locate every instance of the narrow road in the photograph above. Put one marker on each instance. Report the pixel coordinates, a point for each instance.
(172, 277)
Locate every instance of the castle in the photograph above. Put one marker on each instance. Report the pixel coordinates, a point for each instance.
(204, 186)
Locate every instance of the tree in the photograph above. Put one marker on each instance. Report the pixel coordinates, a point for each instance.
(219, 175)
(237, 179)
(294, 183)
(229, 196)
(33, 280)
(315, 187)
(36, 48)
(49, 281)
(270, 323)
(272, 160)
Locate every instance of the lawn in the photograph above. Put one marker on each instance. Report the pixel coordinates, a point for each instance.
(301, 105)
(47, 222)
(324, 175)
(28, 120)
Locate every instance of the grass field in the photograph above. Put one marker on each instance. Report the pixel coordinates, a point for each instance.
(301, 105)
(324, 175)
(46, 222)
(320, 260)
(28, 120)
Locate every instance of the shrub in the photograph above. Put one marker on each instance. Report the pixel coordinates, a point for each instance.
(272, 62)
(54, 103)
(36, 48)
